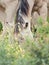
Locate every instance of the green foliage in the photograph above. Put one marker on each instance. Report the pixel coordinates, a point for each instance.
(43, 29)
(48, 19)
(1, 27)
(34, 52)
(40, 21)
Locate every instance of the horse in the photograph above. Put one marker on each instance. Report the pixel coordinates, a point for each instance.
(23, 17)
(25, 11)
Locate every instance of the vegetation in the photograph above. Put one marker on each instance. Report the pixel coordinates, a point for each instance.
(31, 52)
(1, 27)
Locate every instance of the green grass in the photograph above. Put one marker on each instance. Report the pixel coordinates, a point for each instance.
(31, 52)
(1, 27)
(48, 19)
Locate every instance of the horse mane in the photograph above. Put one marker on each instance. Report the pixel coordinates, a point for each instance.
(24, 7)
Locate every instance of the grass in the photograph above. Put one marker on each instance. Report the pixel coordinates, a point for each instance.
(1, 26)
(31, 52)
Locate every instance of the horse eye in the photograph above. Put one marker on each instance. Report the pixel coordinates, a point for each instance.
(26, 24)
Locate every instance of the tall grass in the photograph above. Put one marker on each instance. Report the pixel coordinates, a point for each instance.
(35, 52)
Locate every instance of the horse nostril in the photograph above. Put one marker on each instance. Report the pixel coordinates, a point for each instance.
(26, 24)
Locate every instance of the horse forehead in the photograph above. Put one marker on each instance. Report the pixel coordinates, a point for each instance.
(26, 19)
